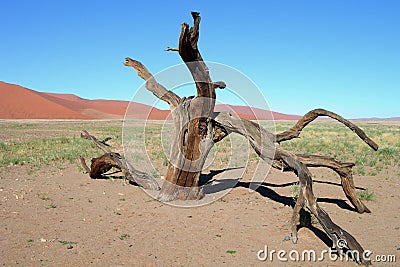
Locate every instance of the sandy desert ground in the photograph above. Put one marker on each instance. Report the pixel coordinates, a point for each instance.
(55, 215)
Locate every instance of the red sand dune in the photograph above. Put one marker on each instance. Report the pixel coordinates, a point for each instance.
(17, 102)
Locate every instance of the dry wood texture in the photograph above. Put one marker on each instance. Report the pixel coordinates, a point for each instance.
(198, 128)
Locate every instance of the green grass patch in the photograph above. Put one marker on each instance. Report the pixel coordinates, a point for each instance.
(51, 206)
(46, 151)
(55, 143)
(123, 236)
(366, 195)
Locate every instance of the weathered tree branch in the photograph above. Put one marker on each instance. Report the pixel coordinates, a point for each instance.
(219, 84)
(104, 163)
(172, 49)
(312, 115)
(262, 142)
(152, 85)
(84, 165)
(102, 145)
(344, 170)
(308, 200)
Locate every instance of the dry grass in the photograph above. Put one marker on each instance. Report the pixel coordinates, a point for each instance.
(37, 143)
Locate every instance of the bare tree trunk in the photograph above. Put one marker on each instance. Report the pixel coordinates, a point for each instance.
(192, 119)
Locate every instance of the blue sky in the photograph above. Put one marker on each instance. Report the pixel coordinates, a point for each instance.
(342, 55)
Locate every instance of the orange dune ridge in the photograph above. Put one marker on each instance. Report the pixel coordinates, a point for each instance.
(17, 102)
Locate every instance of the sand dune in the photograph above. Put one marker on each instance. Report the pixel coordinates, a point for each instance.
(17, 102)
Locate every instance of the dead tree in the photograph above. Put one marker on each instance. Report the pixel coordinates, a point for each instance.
(198, 128)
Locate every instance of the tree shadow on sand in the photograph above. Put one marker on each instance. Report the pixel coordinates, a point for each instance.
(264, 189)
(212, 185)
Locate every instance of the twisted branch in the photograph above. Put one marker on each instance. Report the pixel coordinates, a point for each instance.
(152, 85)
(312, 115)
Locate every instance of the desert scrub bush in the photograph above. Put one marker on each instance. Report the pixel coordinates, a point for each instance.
(372, 162)
(165, 160)
(360, 170)
(366, 195)
(123, 236)
(388, 152)
(2, 146)
(155, 173)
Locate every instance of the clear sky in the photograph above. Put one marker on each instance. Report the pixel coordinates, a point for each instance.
(342, 55)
